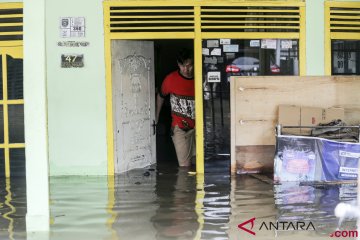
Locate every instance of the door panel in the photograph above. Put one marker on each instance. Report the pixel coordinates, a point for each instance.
(133, 104)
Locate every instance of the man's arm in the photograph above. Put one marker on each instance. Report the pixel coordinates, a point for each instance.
(159, 104)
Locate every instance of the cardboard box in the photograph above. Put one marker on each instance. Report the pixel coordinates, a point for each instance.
(331, 114)
(310, 116)
(289, 115)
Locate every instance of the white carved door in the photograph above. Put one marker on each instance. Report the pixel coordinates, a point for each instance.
(133, 104)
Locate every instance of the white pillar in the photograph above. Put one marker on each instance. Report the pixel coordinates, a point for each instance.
(36, 140)
(315, 39)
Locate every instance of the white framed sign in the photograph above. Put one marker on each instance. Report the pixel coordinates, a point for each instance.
(213, 77)
(72, 27)
(286, 44)
(268, 43)
(254, 43)
(216, 52)
(205, 51)
(231, 48)
(212, 43)
(225, 41)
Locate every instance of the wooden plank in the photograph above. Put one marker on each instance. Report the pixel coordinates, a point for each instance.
(257, 100)
(254, 159)
(254, 111)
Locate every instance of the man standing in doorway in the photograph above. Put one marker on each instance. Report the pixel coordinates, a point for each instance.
(180, 85)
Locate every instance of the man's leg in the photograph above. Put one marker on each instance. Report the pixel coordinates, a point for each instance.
(183, 142)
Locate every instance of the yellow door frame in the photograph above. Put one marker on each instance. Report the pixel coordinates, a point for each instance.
(198, 36)
(339, 35)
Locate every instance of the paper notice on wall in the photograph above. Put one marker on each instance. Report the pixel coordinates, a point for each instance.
(213, 77)
(231, 48)
(286, 44)
(341, 58)
(230, 56)
(212, 43)
(216, 52)
(225, 41)
(254, 43)
(268, 43)
(210, 60)
(205, 51)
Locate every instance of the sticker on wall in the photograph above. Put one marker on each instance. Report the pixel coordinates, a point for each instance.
(212, 43)
(73, 44)
(205, 51)
(231, 48)
(344, 62)
(210, 60)
(72, 60)
(224, 41)
(216, 52)
(254, 43)
(72, 27)
(230, 56)
(268, 43)
(213, 77)
(286, 44)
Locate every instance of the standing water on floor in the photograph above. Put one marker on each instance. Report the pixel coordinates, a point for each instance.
(177, 204)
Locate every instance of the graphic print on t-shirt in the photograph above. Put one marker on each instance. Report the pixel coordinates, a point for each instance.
(183, 106)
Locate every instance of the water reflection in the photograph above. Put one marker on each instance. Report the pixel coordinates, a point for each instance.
(176, 204)
(12, 208)
(79, 208)
(314, 203)
(175, 216)
(217, 208)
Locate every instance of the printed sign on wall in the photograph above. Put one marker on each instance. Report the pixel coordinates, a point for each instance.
(213, 77)
(231, 48)
(72, 27)
(72, 60)
(268, 43)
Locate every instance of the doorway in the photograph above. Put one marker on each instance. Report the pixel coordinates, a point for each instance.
(138, 69)
(165, 62)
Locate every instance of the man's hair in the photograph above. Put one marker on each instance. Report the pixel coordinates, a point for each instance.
(183, 55)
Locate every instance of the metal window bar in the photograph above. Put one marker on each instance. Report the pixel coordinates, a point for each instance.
(279, 128)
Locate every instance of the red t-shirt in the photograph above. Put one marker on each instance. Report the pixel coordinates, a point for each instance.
(182, 99)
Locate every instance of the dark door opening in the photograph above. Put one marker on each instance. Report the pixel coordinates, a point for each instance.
(165, 63)
(216, 97)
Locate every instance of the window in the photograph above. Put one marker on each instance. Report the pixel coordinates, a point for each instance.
(256, 57)
(345, 57)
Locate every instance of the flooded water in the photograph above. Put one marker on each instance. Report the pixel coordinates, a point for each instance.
(177, 204)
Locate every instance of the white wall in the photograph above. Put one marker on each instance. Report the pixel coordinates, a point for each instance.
(76, 96)
(37, 186)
